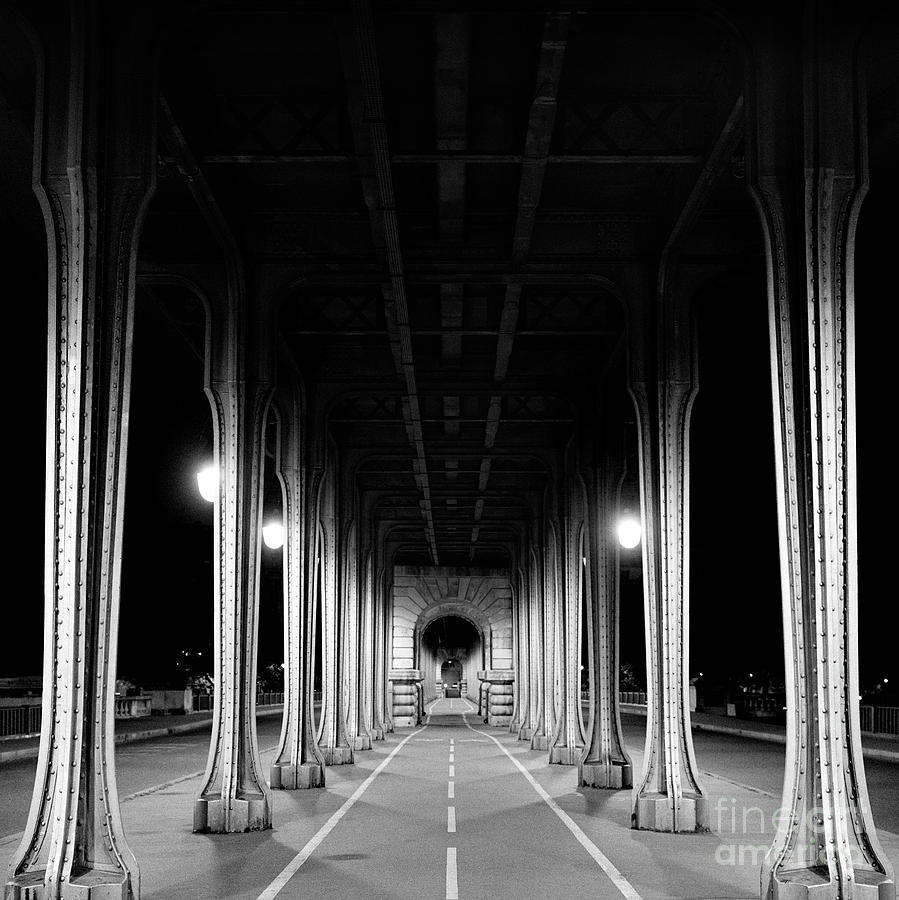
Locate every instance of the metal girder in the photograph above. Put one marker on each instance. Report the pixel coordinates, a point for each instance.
(537, 141)
(367, 109)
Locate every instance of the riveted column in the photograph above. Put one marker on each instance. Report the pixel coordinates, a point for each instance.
(605, 763)
(568, 742)
(95, 178)
(235, 796)
(351, 600)
(543, 735)
(535, 646)
(669, 796)
(519, 651)
(333, 743)
(298, 763)
(379, 685)
(366, 658)
(523, 666)
(808, 194)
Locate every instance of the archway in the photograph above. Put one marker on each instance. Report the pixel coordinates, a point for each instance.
(450, 653)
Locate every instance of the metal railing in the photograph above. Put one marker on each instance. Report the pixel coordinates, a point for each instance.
(879, 719)
(204, 702)
(19, 721)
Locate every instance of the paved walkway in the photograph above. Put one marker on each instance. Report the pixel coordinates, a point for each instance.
(383, 828)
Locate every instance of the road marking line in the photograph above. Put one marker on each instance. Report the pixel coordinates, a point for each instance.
(451, 820)
(452, 879)
(452, 772)
(451, 791)
(296, 863)
(452, 756)
(625, 888)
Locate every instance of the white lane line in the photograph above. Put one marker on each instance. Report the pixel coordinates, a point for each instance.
(451, 791)
(452, 879)
(625, 888)
(451, 820)
(296, 863)
(452, 772)
(452, 756)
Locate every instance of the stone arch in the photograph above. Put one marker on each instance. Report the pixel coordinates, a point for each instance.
(423, 594)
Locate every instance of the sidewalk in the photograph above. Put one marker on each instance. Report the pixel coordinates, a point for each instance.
(127, 730)
(883, 748)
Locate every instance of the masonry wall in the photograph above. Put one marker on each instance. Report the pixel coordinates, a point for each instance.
(423, 593)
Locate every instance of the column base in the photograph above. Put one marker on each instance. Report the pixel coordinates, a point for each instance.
(814, 883)
(565, 756)
(377, 733)
(514, 726)
(655, 812)
(86, 885)
(612, 775)
(297, 778)
(362, 742)
(540, 742)
(219, 816)
(337, 756)
(525, 733)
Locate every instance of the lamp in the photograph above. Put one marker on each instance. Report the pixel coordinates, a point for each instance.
(208, 483)
(273, 535)
(629, 532)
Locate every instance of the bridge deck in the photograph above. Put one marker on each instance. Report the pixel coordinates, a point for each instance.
(520, 826)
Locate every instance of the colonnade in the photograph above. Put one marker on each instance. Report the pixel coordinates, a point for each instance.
(97, 165)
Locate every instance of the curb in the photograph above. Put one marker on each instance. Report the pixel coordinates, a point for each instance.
(129, 737)
(891, 756)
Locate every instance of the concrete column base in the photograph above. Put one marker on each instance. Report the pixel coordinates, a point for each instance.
(362, 742)
(525, 733)
(655, 812)
(499, 697)
(90, 885)
(565, 756)
(540, 742)
(812, 884)
(297, 778)
(613, 775)
(226, 816)
(404, 711)
(377, 733)
(337, 756)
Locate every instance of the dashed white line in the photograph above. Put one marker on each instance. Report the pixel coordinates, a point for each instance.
(625, 888)
(451, 791)
(295, 864)
(452, 771)
(451, 820)
(452, 878)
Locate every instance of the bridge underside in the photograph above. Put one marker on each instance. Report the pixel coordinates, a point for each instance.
(443, 269)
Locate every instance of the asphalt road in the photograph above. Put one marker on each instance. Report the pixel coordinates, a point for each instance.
(449, 804)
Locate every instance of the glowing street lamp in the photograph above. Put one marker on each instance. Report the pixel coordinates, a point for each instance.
(208, 483)
(629, 533)
(273, 535)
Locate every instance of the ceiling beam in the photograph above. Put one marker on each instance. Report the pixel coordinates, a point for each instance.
(463, 158)
(541, 120)
(367, 116)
